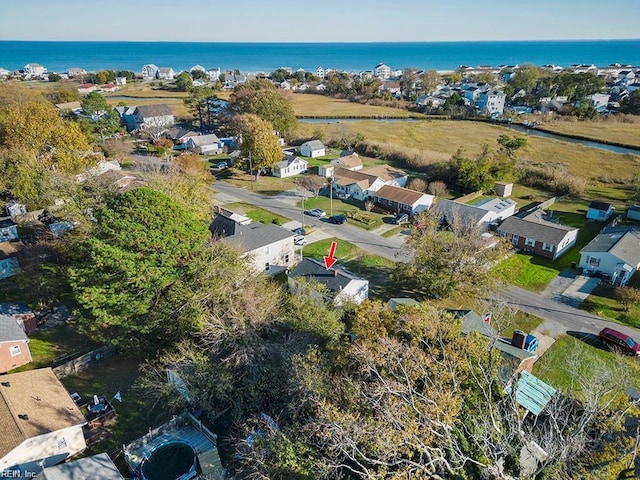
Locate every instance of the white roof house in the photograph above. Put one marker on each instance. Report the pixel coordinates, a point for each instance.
(204, 144)
(482, 213)
(615, 253)
(289, 166)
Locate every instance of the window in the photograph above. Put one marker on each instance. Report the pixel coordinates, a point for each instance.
(266, 267)
(286, 259)
(515, 239)
(547, 247)
(15, 350)
(530, 242)
(594, 262)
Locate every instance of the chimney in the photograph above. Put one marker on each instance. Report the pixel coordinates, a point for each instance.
(335, 272)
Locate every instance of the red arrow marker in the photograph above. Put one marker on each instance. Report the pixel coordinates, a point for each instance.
(329, 260)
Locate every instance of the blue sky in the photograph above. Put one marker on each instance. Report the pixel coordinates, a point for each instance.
(318, 20)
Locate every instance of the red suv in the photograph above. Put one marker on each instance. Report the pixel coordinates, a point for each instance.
(619, 341)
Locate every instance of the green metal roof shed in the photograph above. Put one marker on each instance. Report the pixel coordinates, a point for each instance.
(532, 393)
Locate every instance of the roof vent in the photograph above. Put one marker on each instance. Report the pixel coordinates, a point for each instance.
(6, 384)
(23, 416)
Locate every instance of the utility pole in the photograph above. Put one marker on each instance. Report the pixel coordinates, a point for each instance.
(303, 211)
(331, 195)
(251, 170)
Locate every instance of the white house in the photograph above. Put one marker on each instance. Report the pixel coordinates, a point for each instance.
(96, 467)
(74, 72)
(320, 72)
(289, 166)
(165, 73)
(382, 71)
(153, 116)
(615, 252)
(213, 74)
(482, 213)
(33, 70)
(87, 88)
(120, 81)
(491, 102)
(204, 144)
(312, 148)
(350, 162)
(339, 285)
(41, 424)
(362, 184)
(270, 247)
(149, 72)
(402, 200)
(600, 211)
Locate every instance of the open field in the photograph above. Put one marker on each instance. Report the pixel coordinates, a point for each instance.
(443, 137)
(310, 105)
(624, 129)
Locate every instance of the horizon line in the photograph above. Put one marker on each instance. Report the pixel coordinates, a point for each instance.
(332, 42)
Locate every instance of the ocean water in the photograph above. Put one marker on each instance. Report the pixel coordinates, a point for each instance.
(266, 57)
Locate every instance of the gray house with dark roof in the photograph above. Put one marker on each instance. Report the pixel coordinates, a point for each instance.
(538, 233)
(614, 253)
(153, 117)
(340, 285)
(97, 467)
(270, 247)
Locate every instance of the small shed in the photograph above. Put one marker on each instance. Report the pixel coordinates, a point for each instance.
(633, 212)
(532, 393)
(600, 211)
(503, 189)
(312, 148)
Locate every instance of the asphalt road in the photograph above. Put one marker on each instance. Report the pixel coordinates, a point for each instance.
(565, 317)
(559, 318)
(385, 247)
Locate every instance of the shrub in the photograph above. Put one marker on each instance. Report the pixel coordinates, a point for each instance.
(556, 180)
(438, 188)
(418, 185)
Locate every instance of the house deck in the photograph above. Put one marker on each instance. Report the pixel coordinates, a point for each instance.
(184, 428)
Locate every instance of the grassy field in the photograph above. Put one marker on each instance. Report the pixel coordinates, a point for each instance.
(442, 138)
(618, 129)
(602, 302)
(322, 106)
(257, 214)
(554, 367)
(266, 185)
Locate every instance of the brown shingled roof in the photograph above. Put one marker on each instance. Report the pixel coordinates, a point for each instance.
(39, 395)
(399, 194)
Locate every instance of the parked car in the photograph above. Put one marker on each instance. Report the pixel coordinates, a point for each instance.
(300, 240)
(338, 219)
(618, 341)
(400, 218)
(316, 212)
(221, 165)
(298, 231)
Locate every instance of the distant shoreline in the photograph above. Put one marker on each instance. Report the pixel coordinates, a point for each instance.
(349, 56)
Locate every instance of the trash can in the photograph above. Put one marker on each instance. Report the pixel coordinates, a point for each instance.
(573, 265)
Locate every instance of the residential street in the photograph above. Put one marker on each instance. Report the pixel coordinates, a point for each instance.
(385, 247)
(558, 317)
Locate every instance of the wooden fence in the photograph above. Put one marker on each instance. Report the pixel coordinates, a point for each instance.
(72, 367)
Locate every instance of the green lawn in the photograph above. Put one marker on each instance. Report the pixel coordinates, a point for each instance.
(602, 302)
(533, 272)
(136, 414)
(266, 184)
(394, 231)
(374, 268)
(256, 214)
(554, 366)
(346, 207)
(51, 346)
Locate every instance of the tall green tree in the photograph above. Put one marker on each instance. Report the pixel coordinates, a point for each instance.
(444, 261)
(142, 243)
(184, 82)
(99, 116)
